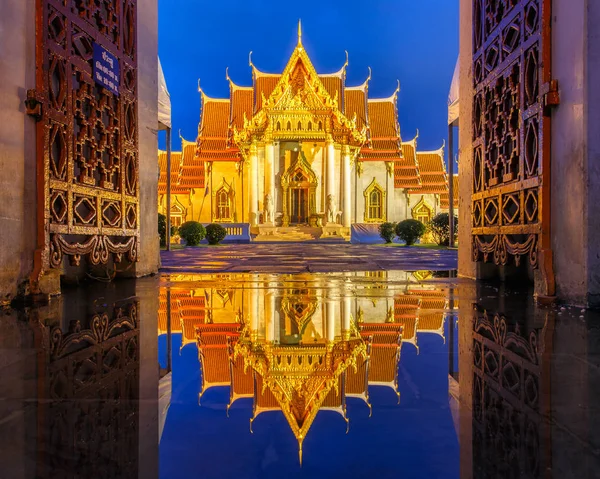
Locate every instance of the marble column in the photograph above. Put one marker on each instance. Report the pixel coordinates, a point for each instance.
(346, 316)
(270, 180)
(253, 193)
(330, 173)
(270, 311)
(330, 319)
(347, 206)
(253, 309)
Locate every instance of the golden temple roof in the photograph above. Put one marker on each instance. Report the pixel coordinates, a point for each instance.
(228, 125)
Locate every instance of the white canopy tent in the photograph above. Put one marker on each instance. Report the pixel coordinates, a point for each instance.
(453, 98)
(164, 101)
(453, 114)
(164, 123)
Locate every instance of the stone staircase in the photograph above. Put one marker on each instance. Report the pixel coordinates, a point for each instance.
(289, 234)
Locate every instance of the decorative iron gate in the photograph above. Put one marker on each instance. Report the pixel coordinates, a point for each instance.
(87, 136)
(511, 134)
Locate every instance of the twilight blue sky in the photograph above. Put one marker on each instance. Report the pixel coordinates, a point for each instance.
(415, 41)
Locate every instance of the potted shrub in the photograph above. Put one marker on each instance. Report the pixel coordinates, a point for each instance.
(192, 232)
(410, 231)
(162, 229)
(439, 227)
(215, 233)
(387, 231)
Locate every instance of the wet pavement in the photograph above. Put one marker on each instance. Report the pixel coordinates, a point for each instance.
(375, 373)
(305, 257)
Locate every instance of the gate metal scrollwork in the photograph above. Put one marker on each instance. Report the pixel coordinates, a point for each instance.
(511, 134)
(87, 137)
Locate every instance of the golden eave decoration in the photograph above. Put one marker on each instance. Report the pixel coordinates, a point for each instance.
(300, 377)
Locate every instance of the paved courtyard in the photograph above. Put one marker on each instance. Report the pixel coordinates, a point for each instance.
(305, 257)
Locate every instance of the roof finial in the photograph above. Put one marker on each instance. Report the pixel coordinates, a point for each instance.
(227, 74)
(300, 32)
(250, 59)
(370, 72)
(346, 64)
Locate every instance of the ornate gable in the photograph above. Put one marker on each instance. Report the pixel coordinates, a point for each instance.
(299, 107)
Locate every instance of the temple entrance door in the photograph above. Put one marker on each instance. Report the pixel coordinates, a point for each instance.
(299, 206)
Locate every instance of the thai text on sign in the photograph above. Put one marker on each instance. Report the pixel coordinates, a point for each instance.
(106, 69)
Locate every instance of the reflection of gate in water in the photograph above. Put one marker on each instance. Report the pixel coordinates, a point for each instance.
(507, 401)
(87, 137)
(511, 134)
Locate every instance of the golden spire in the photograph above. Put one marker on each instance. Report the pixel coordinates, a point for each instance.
(299, 32)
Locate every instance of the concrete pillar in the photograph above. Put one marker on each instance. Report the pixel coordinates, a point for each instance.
(270, 177)
(253, 186)
(347, 207)
(330, 170)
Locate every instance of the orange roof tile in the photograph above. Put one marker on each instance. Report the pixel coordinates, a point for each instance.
(242, 102)
(385, 135)
(176, 160)
(334, 85)
(432, 169)
(263, 84)
(193, 169)
(356, 104)
(445, 197)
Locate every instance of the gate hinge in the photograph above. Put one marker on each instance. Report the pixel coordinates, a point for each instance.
(33, 105)
(551, 94)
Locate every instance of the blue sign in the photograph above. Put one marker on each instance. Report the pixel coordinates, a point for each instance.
(106, 69)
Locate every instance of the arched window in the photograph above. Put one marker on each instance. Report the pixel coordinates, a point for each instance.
(309, 127)
(177, 215)
(422, 211)
(299, 125)
(278, 126)
(289, 125)
(374, 203)
(223, 200)
(320, 125)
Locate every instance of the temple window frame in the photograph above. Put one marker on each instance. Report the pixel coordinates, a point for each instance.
(375, 213)
(223, 198)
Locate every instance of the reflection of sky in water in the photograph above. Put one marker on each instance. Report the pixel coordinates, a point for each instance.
(414, 439)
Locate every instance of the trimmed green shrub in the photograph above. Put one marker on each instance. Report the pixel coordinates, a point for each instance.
(215, 233)
(387, 231)
(192, 232)
(162, 229)
(410, 231)
(439, 227)
(174, 231)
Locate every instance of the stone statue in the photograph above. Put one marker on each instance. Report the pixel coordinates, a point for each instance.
(269, 217)
(330, 212)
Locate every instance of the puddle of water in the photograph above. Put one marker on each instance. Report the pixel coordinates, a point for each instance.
(357, 374)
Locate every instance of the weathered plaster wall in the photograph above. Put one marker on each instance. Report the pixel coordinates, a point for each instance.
(569, 169)
(466, 267)
(17, 145)
(593, 158)
(147, 33)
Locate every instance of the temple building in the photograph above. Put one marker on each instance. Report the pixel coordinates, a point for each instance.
(302, 152)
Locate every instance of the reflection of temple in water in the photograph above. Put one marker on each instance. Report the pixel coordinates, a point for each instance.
(300, 345)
